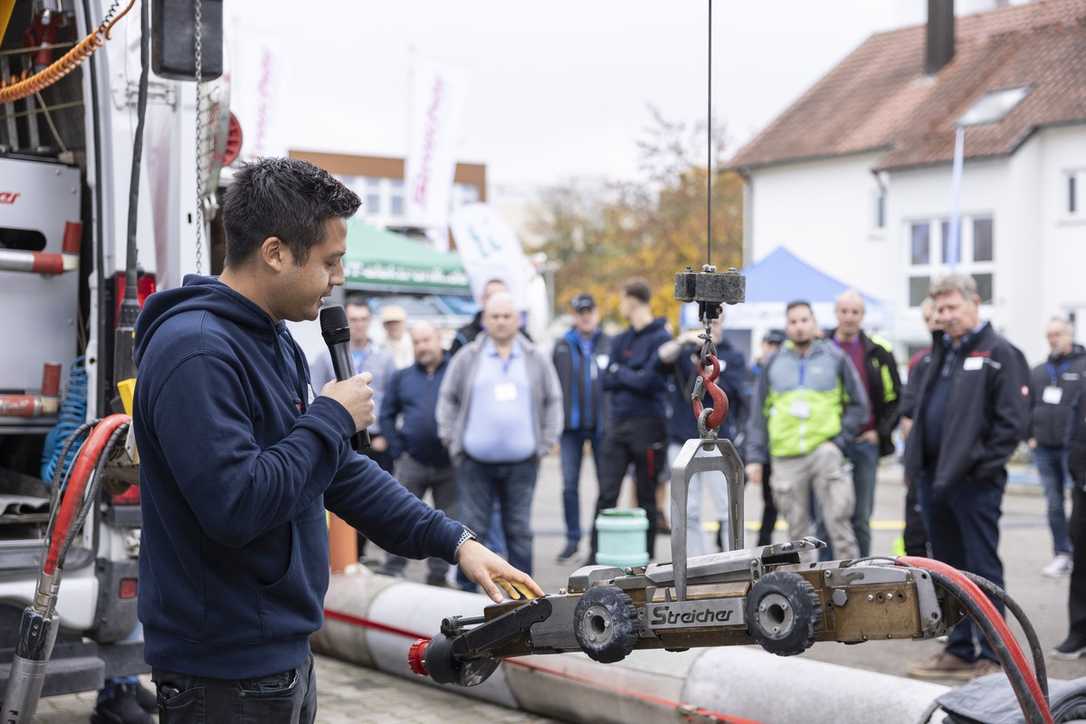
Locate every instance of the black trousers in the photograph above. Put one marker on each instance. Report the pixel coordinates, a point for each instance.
(288, 697)
(916, 533)
(1076, 600)
(769, 510)
(643, 442)
(963, 527)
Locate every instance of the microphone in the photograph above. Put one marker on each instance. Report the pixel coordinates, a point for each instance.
(337, 335)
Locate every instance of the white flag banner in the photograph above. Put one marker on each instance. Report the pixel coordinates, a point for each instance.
(256, 80)
(437, 101)
(489, 249)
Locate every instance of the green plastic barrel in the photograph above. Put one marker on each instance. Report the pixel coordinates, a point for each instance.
(622, 534)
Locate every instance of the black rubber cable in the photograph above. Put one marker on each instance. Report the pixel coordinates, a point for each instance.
(1039, 667)
(130, 280)
(1031, 709)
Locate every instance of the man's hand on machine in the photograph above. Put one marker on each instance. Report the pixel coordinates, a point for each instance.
(494, 573)
(356, 396)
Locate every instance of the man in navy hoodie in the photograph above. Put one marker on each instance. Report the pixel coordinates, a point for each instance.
(240, 460)
(636, 431)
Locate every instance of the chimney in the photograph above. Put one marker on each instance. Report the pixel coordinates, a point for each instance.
(940, 35)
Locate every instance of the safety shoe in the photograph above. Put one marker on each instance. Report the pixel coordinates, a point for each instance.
(122, 707)
(944, 665)
(1060, 566)
(568, 552)
(1073, 647)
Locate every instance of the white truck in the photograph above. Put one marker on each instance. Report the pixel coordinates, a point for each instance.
(65, 166)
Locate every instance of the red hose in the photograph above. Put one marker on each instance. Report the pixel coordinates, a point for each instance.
(992, 614)
(84, 465)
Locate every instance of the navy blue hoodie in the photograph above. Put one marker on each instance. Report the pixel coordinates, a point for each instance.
(237, 468)
(636, 385)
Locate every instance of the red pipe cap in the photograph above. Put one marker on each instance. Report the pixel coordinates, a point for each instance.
(416, 657)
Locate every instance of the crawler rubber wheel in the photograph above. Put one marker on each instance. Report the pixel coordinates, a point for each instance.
(605, 623)
(782, 611)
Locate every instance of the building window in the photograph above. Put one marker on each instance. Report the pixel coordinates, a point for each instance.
(373, 197)
(918, 289)
(993, 106)
(944, 235)
(982, 241)
(464, 194)
(880, 209)
(984, 287)
(1073, 204)
(921, 243)
(395, 198)
(975, 255)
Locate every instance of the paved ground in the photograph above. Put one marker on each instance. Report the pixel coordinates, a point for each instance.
(350, 694)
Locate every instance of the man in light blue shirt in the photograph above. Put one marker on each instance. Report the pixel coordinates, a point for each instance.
(499, 411)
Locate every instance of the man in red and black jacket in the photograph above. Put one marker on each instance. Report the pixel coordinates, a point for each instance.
(873, 359)
(972, 410)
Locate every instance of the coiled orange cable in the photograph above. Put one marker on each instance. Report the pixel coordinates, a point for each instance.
(64, 65)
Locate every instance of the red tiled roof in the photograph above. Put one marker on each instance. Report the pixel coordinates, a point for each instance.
(879, 98)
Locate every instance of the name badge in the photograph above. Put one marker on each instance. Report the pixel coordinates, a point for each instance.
(1052, 395)
(1070, 376)
(800, 409)
(505, 392)
(972, 364)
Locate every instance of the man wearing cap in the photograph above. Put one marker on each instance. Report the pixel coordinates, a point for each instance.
(397, 343)
(578, 357)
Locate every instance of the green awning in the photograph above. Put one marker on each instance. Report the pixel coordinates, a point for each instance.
(380, 260)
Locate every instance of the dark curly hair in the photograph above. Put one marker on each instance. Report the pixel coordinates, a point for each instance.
(282, 197)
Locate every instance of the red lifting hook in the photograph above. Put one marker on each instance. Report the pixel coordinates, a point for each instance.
(719, 410)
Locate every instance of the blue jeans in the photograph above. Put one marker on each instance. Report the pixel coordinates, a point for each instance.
(1052, 466)
(864, 457)
(512, 485)
(963, 527)
(572, 453)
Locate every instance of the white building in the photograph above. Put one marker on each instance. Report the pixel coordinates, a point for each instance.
(855, 176)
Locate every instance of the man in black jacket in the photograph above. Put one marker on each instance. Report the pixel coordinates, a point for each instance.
(1074, 646)
(874, 360)
(635, 431)
(407, 419)
(578, 357)
(1053, 392)
(971, 412)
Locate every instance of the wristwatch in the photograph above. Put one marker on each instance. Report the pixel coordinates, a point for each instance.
(467, 535)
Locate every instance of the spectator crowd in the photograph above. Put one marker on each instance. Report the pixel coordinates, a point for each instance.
(812, 416)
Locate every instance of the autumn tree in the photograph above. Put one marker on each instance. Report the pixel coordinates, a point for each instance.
(602, 233)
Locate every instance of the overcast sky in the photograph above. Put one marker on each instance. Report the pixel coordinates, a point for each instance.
(556, 88)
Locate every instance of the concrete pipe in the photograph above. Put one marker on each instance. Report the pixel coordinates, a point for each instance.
(372, 620)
